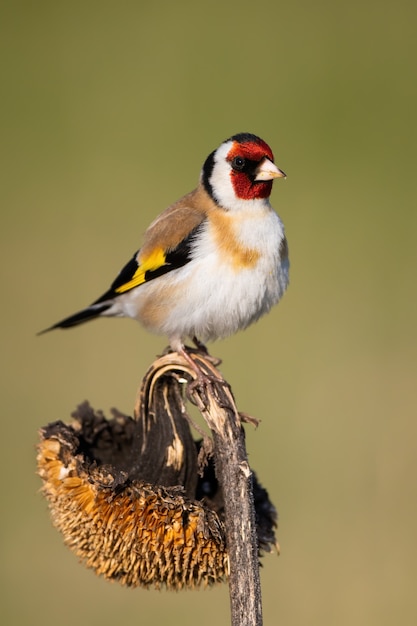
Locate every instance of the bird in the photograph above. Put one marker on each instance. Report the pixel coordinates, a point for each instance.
(213, 262)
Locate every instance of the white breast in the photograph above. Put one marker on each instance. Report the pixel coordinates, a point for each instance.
(213, 296)
(237, 296)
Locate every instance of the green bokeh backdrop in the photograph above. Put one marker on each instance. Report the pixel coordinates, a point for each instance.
(108, 111)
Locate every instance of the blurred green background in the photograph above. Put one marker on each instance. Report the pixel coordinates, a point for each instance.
(108, 111)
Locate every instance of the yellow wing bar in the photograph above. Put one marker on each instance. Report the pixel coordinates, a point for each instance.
(153, 262)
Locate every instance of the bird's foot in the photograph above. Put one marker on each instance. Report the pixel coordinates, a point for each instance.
(201, 348)
(203, 381)
(202, 378)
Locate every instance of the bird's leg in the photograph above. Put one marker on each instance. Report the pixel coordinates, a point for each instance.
(200, 346)
(177, 345)
(202, 379)
(202, 349)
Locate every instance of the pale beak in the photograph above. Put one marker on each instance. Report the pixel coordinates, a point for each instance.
(268, 170)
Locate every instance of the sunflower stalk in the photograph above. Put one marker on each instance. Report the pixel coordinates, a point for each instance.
(216, 404)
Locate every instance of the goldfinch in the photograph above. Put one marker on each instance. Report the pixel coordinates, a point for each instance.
(214, 261)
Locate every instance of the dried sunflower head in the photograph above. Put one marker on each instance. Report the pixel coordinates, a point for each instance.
(132, 502)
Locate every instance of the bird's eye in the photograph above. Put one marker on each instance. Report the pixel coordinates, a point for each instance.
(238, 163)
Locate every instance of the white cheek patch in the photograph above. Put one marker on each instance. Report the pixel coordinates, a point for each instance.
(220, 179)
